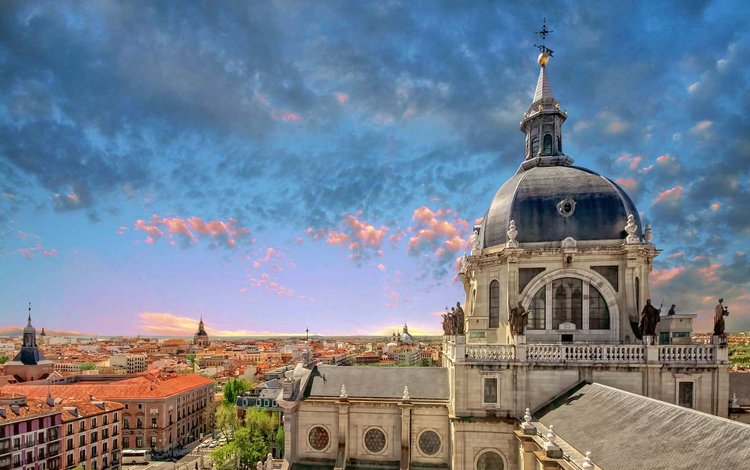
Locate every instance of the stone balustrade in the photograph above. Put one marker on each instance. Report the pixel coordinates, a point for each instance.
(584, 353)
(491, 352)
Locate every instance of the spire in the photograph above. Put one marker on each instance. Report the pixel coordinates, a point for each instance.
(542, 123)
(29, 323)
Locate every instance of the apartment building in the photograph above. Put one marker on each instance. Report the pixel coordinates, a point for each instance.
(129, 363)
(91, 434)
(160, 414)
(29, 433)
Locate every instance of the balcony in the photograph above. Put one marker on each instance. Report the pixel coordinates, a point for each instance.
(584, 353)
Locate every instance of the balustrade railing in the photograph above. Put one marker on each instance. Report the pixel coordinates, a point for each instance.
(583, 353)
(703, 353)
(491, 352)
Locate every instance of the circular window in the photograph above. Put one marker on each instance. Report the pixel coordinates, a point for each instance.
(318, 438)
(566, 207)
(429, 442)
(490, 461)
(375, 440)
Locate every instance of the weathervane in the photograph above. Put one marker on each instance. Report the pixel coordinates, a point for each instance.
(543, 33)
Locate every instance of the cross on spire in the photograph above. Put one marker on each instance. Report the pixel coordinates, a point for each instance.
(543, 33)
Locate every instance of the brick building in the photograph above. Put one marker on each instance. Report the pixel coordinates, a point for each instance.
(29, 433)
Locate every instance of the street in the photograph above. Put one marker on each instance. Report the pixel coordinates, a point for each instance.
(190, 461)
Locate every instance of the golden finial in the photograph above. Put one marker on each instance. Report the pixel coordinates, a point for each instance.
(543, 59)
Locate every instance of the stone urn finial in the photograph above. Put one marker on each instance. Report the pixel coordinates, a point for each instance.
(648, 235)
(527, 416)
(551, 436)
(406, 393)
(631, 228)
(512, 234)
(343, 394)
(587, 463)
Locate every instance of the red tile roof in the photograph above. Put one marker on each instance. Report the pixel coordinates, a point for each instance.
(137, 387)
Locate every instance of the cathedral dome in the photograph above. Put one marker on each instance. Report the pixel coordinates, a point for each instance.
(550, 200)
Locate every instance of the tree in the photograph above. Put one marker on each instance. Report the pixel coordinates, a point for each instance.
(226, 420)
(263, 422)
(280, 439)
(4, 358)
(191, 359)
(425, 362)
(248, 447)
(88, 366)
(233, 389)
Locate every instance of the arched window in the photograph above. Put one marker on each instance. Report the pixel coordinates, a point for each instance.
(567, 306)
(537, 310)
(534, 146)
(494, 304)
(598, 310)
(547, 144)
(490, 461)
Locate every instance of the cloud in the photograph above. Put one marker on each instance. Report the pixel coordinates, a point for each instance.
(192, 230)
(169, 324)
(438, 236)
(362, 238)
(671, 196)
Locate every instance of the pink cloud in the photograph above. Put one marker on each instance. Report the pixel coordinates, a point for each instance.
(285, 116)
(715, 207)
(366, 233)
(615, 127)
(676, 255)
(381, 267)
(336, 238)
(670, 195)
(443, 236)
(342, 97)
(192, 229)
(632, 161)
(122, 229)
(50, 253)
(627, 183)
(664, 158)
(701, 127)
(661, 276)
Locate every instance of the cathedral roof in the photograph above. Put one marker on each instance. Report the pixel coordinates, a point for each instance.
(428, 383)
(627, 431)
(598, 211)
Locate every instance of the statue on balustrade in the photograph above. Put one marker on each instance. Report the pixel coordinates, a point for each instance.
(518, 319)
(459, 313)
(671, 310)
(650, 316)
(720, 312)
(450, 322)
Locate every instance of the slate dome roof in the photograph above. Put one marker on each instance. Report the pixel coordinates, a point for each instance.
(550, 200)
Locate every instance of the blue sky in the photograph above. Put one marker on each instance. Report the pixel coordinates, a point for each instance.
(273, 165)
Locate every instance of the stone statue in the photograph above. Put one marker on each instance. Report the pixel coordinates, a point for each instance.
(649, 234)
(671, 310)
(512, 234)
(513, 320)
(459, 312)
(475, 241)
(259, 465)
(522, 317)
(269, 462)
(720, 312)
(446, 322)
(649, 318)
(631, 228)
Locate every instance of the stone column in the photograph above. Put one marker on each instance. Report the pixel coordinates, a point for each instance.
(343, 437)
(406, 407)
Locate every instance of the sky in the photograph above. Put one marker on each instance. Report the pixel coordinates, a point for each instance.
(270, 166)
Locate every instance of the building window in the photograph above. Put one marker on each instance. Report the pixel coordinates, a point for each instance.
(429, 443)
(490, 461)
(534, 146)
(153, 441)
(375, 440)
(610, 273)
(525, 275)
(685, 396)
(125, 442)
(490, 390)
(567, 303)
(318, 438)
(598, 310)
(547, 144)
(494, 304)
(139, 442)
(538, 310)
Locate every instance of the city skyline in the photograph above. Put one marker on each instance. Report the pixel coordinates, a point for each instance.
(269, 167)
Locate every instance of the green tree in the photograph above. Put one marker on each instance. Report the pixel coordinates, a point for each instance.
(88, 366)
(247, 448)
(226, 420)
(425, 362)
(280, 439)
(262, 421)
(233, 389)
(191, 359)
(4, 358)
